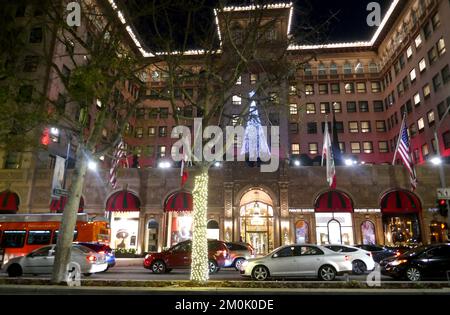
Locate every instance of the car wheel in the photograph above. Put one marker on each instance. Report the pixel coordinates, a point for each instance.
(413, 274)
(359, 267)
(260, 273)
(158, 267)
(327, 273)
(212, 266)
(87, 274)
(15, 270)
(238, 263)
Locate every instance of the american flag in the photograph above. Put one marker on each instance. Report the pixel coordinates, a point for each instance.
(327, 153)
(119, 153)
(403, 149)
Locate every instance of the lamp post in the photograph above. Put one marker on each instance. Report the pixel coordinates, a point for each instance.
(441, 166)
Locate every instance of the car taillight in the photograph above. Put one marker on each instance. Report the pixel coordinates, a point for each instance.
(397, 254)
(91, 258)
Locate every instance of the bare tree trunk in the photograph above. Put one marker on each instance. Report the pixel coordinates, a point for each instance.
(69, 219)
(199, 265)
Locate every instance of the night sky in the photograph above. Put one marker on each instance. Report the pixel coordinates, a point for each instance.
(315, 21)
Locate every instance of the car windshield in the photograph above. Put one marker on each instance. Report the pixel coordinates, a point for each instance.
(84, 249)
(415, 251)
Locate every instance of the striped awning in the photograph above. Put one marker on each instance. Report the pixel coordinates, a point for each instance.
(400, 202)
(58, 205)
(123, 201)
(9, 202)
(333, 201)
(180, 201)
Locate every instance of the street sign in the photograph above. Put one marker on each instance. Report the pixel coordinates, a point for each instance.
(60, 192)
(443, 193)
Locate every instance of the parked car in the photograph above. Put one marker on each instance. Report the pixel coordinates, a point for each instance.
(41, 260)
(239, 252)
(362, 260)
(179, 257)
(429, 261)
(298, 261)
(104, 250)
(379, 252)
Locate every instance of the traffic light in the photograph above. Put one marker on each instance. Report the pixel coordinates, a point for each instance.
(442, 207)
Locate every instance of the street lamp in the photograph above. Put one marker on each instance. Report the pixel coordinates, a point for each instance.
(436, 160)
(92, 165)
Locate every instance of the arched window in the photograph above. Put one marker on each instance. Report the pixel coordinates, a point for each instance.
(334, 69)
(368, 233)
(322, 70)
(348, 68)
(334, 232)
(301, 232)
(152, 226)
(213, 231)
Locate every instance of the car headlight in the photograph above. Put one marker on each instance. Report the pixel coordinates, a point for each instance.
(398, 262)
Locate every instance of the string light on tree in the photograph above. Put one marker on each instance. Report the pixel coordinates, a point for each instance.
(199, 266)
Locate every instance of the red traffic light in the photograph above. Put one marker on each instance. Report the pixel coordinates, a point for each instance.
(442, 202)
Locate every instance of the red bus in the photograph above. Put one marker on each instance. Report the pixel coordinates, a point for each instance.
(22, 233)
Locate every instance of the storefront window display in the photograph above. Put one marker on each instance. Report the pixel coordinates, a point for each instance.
(302, 232)
(334, 228)
(124, 230)
(180, 227)
(402, 230)
(368, 233)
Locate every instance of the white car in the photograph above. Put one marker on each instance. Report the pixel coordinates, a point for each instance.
(298, 261)
(361, 259)
(41, 260)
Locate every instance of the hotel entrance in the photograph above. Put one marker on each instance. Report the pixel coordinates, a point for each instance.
(256, 221)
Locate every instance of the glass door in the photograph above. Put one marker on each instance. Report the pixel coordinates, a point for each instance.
(259, 241)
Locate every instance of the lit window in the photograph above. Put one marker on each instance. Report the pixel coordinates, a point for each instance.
(349, 88)
(427, 91)
(323, 89)
(425, 151)
(310, 108)
(355, 147)
(368, 147)
(365, 126)
(253, 78)
(409, 52)
(431, 118)
(309, 89)
(161, 151)
(295, 149)
(422, 65)
(293, 109)
(292, 90)
(361, 87)
(151, 131)
(237, 100)
(376, 87)
(441, 47)
(417, 99)
(421, 124)
(324, 108)
(313, 148)
(353, 127)
(337, 107)
(383, 147)
(418, 41)
(412, 75)
(239, 81)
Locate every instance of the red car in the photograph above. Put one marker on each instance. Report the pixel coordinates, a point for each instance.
(179, 257)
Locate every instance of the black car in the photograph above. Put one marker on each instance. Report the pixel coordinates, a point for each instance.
(378, 252)
(429, 261)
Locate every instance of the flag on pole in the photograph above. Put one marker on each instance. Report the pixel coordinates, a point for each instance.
(403, 149)
(327, 153)
(184, 174)
(119, 153)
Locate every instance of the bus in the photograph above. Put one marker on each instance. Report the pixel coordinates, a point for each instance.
(20, 234)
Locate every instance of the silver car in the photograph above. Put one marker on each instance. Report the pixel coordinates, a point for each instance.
(41, 260)
(298, 261)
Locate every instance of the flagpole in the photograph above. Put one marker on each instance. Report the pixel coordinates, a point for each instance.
(399, 138)
(325, 137)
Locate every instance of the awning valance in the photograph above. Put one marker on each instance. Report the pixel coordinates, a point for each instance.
(180, 201)
(9, 202)
(333, 201)
(400, 202)
(123, 201)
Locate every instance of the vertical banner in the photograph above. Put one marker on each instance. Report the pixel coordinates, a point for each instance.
(58, 177)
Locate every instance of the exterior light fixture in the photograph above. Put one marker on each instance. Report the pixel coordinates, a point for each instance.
(217, 164)
(348, 162)
(297, 163)
(164, 164)
(92, 165)
(436, 160)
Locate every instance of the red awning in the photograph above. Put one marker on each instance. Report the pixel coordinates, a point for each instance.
(179, 202)
(9, 202)
(400, 201)
(58, 205)
(123, 201)
(333, 201)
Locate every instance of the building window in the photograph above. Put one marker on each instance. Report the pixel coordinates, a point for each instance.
(418, 41)
(349, 88)
(295, 149)
(333, 69)
(364, 107)
(373, 67)
(36, 35)
(13, 160)
(150, 151)
(427, 30)
(351, 107)
(381, 126)
(365, 127)
(413, 130)
(446, 139)
(417, 99)
(293, 128)
(139, 132)
(445, 74)
(441, 109)
(409, 52)
(337, 107)
(432, 55)
(383, 147)
(361, 87)
(313, 148)
(437, 82)
(425, 151)
(273, 97)
(151, 131)
(322, 70)
(239, 81)
(309, 89)
(431, 118)
(162, 131)
(348, 68)
(323, 89)
(312, 128)
(310, 108)
(378, 106)
(356, 147)
(253, 78)
(292, 90)
(342, 147)
(293, 109)
(335, 88)
(426, 91)
(441, 47)
(376, 87)
(163, 112)
(353, 127)
(421, 124)
(422, 65)
(161, 151)
(413, 75)
(339, 126)
(237, 100)
(368, 147)
(324, 108)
